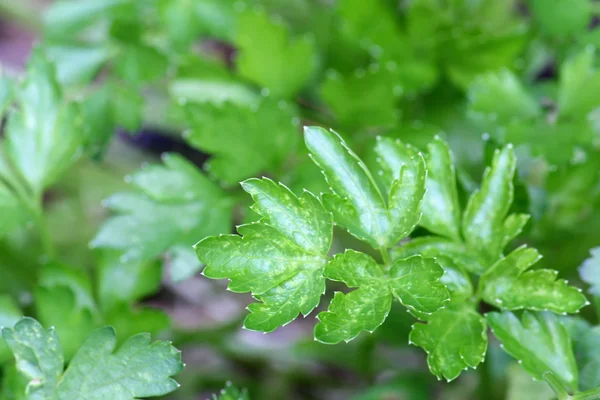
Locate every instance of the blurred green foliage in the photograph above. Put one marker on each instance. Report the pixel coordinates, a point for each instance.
(90, 237)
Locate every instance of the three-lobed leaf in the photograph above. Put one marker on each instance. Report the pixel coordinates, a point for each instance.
(510, 285)
(356, 201)
(280, 259)
(139, 368)
(455, 338)
(413, 281)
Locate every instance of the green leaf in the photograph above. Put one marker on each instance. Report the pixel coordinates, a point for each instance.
(521, 386)
(125, 282)
(502, 96)
(561, 18)
(128, 106)
(58, 307)
(587, 349)
(99, 119)
(76, 63)
(12, 212)
(66, 17)
(9, 315)
(184, 263)
(291, 61)
(137, 369)
(510, 286)
(364, 99)
(440, 207)
(454, 338)
(590, 271)
(363, 309)
(413, 281)
(137, 64)
(235, 135)
(43, 136)
(433, 246)
(230, 392)
(129, 320)
(174, 205)
(579, 85)
(484, 216)
(539, 342)
(356, 202)
(280, 260)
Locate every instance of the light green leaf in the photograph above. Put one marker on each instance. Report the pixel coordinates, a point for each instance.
(579, 85)
(290, 61)
(129, 320)
(454, 338)
(364, 99)
(539, 342)
(174, 206)
(128, 105)
(9, 315)
(502, 96)
(66, 17)
(433, 246)
(587, 350)
(125, 282)
(235, 136)
(12, 211)
(356, 202)
(455, 278)
(521, 386)
(561, 18)
(137, 64)
(213, 90)
(280, 260)
(510, 286)
(53, 275)
(403, 170)
(230, 392)
(483, 219)
(440, 208)
(414, 281)
(137, 369)
(363, 309)
(78, 64)
(348, 314)
(44, 135)
(39, 356)
(57, 307)
(590, 271)
(513, 226)
(183, 263)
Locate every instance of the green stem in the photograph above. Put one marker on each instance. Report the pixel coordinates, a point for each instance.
(592, 394)
(385, 256)
(556, 386)
(23, 12)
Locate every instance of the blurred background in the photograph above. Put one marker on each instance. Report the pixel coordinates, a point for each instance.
(227, 85)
